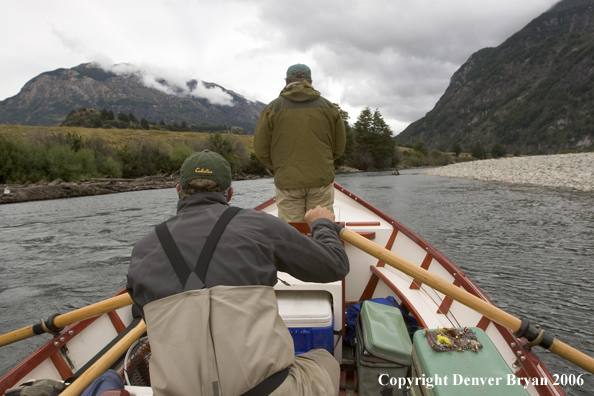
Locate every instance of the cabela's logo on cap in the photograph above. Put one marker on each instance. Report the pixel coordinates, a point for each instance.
(202, 170)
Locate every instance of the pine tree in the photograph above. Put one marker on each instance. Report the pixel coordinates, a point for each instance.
(478, 151)
(144, 124)
(375, 146)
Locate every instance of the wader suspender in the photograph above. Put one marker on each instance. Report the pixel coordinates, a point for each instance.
(193, 280)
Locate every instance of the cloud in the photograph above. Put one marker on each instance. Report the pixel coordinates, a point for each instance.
(164, 79)
(397, 56)
(171, 82)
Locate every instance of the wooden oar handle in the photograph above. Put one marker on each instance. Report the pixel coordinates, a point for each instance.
(462, 296)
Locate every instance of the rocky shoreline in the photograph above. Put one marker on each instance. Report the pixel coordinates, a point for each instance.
(573, 171)
(58, 189)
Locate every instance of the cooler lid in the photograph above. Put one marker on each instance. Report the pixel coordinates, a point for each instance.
(486, 363)
(305, 308)
(384, 332)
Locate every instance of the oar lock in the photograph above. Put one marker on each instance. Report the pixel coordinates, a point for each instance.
(47, 326)
(534, 335)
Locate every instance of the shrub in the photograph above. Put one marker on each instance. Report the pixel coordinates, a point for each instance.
(498, 151)
(68, 165)
(478, 151)
(179, 153)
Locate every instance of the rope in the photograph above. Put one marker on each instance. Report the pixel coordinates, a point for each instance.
(47, 329)
(536, 341)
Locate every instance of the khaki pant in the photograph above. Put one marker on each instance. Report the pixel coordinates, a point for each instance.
(292, 204)
(314, 373)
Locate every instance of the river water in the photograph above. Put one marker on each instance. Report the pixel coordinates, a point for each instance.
(531, 249)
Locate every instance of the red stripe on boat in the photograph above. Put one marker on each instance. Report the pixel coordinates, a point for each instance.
(416, 284)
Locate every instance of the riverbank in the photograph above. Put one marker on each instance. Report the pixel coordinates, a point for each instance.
(58, 189)
(573, 171)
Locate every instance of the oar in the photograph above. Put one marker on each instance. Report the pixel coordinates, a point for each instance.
(57, 322)
(105, 362)
(520, 326)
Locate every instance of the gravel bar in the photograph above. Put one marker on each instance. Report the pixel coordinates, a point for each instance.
(574, 171)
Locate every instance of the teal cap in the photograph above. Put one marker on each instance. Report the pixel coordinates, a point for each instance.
(206, 165)
(299, 71)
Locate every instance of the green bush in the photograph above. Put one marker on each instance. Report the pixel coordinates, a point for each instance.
(254, 166)
(179, 153)
(69, 165)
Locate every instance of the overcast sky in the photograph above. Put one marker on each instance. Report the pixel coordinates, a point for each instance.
(394, 55)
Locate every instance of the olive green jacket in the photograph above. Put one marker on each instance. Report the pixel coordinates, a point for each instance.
(299, 135)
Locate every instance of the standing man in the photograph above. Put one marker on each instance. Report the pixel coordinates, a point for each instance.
(299, 135)
(203, 281)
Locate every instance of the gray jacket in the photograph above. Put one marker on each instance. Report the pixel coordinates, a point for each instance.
(254, 246)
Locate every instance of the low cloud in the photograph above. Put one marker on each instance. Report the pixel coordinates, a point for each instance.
(170, 82)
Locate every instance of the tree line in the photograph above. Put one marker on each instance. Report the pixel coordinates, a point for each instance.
(107, 119)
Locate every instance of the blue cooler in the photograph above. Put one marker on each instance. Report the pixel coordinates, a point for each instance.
(308, 315)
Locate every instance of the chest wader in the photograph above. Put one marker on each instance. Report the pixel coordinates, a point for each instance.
(195, 280)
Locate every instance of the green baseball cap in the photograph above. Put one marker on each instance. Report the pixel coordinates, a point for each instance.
(299, 71)
(206, 165)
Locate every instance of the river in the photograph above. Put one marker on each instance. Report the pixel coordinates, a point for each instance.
(531, 249)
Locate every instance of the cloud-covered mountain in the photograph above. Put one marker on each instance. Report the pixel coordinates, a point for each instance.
(49, 97)
(533, 93)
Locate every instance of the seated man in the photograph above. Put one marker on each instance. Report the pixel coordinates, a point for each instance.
(206, 293)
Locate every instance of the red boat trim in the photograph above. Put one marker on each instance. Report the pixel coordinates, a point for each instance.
(483, 323)
(302, 227)
(444, 308)
(416, 284)
(404, 301)
(61, 365)
(265, 204)
(362, 223)
(18, 373)
(370, 288)
(116, 321)
(530, 363)
(372, 284)
(389, 246)
(368, 235)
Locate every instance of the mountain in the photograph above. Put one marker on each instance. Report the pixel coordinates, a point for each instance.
(48, 98)
(532, 94)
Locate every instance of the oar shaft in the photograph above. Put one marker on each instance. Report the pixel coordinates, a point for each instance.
(16, 335)
(111, 304)
(483, 307)
(105, 362)
(573, 355)
(69, 318)
(432, 280)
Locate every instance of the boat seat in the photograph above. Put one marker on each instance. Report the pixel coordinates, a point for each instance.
(115, 392)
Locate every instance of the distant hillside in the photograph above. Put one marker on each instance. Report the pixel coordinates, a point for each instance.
(48, 98)
(533, 93)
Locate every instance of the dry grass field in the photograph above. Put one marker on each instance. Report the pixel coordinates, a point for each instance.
(120, 137)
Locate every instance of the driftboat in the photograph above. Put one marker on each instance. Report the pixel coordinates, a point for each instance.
(75, 347)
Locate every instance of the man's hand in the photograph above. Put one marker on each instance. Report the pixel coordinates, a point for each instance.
(318, 213)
